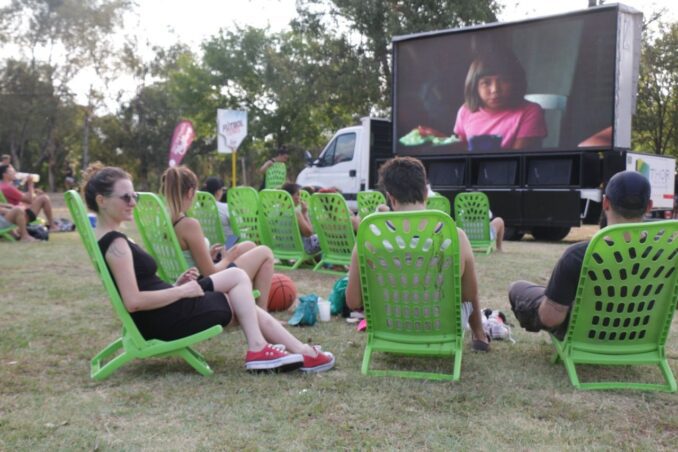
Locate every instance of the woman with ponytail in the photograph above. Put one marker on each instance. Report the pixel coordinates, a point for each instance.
(168, 312)
(178, 185)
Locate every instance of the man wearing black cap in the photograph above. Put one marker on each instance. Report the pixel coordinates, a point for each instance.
(282, 156)
(626, 200)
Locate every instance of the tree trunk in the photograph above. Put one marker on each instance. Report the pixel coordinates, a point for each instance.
(85, 137)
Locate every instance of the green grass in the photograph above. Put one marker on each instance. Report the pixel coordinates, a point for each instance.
(54, 317)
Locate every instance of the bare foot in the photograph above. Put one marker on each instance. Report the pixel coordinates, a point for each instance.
(28, 239)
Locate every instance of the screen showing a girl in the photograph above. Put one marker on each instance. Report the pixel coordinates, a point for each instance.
(495, 114)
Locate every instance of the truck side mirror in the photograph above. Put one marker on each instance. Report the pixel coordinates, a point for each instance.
(309, 158)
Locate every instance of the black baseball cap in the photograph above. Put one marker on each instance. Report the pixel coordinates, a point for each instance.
(283, 150)
(629, 191)
(212, 184)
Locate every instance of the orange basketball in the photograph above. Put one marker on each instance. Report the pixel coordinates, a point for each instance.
(282, 294)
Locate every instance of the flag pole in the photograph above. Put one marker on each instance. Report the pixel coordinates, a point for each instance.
(233, 165)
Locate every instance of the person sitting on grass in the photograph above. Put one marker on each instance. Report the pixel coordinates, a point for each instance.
(31, 202)
(178, 185)
(626, 200)
(403, 179)
(169, 312)
(9, 215)
(310, 239)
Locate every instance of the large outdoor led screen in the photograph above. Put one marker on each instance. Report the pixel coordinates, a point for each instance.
(554, 84)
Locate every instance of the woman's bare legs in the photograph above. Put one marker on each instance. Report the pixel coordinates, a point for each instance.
(258, 263)
(275, 333)
(258, 325)
(235, 283)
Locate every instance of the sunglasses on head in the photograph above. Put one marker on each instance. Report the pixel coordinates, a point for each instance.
(128, 197)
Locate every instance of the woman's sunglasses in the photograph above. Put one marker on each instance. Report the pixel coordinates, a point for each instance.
(128, 197)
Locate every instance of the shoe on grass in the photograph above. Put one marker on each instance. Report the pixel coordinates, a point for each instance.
(273, 358)
(322, 362)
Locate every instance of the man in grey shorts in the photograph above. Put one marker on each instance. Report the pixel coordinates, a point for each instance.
(626, 200)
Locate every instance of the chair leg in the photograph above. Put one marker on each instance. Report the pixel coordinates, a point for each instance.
(99, 372)
(196, 360)
(456, 372)
(367, 356)
(668, 375)
(572, 372)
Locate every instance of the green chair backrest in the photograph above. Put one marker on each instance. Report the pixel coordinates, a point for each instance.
(331, 220)
(276, 175)
(439, 202)
(160, 241)
(626, 299)
(305, 196)
(368, 201)
(3, 200)
(472, 214)
(243, 209)
(131, 344)
(279, 226)
(411, 287)
(84, 228)
(205, 210)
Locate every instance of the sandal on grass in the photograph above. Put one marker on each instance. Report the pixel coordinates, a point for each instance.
(480, 346)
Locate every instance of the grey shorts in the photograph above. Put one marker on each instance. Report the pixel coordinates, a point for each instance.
(525, 298)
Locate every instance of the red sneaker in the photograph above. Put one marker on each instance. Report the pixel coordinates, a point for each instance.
(324, 361)
(273, 357)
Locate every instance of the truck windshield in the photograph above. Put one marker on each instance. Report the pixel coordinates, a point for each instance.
(340, 150)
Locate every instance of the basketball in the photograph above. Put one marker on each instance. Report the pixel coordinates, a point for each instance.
(283, 293)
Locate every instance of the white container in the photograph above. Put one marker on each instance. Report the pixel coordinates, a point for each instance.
(324, 310)
(23, 176)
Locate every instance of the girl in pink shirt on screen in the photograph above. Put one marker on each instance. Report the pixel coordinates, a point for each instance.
(494, 105)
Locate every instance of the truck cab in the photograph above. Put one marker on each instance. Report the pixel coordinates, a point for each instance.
(346, 161)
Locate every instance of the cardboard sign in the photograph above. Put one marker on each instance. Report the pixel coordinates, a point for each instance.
(231, 130)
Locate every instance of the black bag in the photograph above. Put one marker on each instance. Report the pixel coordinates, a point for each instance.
(38, 231)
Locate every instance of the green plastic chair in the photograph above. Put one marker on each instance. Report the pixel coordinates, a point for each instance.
(626, 299)
(131, 344)
(205, 210)
(3, 200)
(368, 201)
(276, 175)
(280, 229)
(411, 288)
(243, 209)
(6, 233)
(439, 202)
(472, 213)
(331, 220)
(305, 196)
(157, 233)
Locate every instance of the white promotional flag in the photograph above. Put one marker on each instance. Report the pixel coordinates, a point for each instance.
(231, 130)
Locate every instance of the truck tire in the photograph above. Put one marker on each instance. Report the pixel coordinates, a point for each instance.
(513, 234)
(550, 233)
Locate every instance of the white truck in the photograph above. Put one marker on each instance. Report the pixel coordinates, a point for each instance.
(350, 159)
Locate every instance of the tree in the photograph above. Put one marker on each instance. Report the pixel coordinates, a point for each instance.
(61, 38)
(655, 123)
(377, 22)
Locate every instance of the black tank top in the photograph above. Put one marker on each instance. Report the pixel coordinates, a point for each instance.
(145, 268)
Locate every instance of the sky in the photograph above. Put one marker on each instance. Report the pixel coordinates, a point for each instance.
(164, 22)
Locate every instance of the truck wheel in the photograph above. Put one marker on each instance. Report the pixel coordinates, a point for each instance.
(513, 234)
(550, 234)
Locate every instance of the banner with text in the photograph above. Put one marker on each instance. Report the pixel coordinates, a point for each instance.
(231, 130)
(182, 138)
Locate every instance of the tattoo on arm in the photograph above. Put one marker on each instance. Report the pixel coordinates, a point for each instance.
(118, 249)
